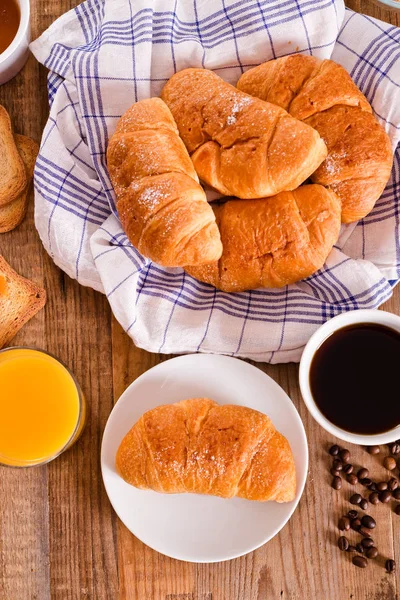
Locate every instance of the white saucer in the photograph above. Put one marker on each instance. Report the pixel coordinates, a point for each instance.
(192, 527)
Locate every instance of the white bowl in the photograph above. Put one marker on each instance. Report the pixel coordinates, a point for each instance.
(343, 320)
(14, 57)
(391, 3)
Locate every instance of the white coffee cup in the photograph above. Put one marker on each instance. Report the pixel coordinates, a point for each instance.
(315, 341)
(14, 57)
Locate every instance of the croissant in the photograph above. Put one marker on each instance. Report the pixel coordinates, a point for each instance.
(273, 242)
(239, 145)
(162, 207)
(322, 94)
(198, 446)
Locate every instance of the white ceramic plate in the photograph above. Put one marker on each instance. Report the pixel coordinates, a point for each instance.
(193, 527)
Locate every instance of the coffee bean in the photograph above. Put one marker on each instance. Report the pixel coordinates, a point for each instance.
(371, 552)
(334, 450)
(364, 531)
(364, 504)
(334, 472)
(394, 448)
(360, 548)
(355, 499)
(348, 468)
(384, 496)
(351, 549)
(344, 524)
(373, 449)
(343, 543)
(374, 498)
(393, 484)
(355, 524)
(337, 464)
(372, 486)
(352, 479)
(362, 473)
(368, 522)
(336, 483)
(397, 509)
(359, 561)
(365, 481)
(389, 463)
(381, 486)
(367, 542)
(344, 455)
(396, 494)
(352, 514)
(390, 565)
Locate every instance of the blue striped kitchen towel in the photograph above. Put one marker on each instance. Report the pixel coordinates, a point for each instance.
(106, 54)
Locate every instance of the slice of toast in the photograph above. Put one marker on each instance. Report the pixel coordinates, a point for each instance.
(20, 300)
(12, 170)
(13, 213)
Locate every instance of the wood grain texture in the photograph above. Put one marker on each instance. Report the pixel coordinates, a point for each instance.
(59, 538)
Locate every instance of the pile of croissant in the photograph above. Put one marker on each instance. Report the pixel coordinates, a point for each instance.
(291, 121)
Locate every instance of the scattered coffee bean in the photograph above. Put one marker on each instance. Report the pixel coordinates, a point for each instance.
(396, 494)
(389, 463)
(365, 480)
(344, 455)
(351, 549)
(374, 498)
(352, 514)
(397, 509)
(364, 531)
(394, 448)
(337, 464)
(352, 479)
(334, 450)
(344, 524)
(393, 484)
(371, 552)
(389, 564)
(381, 486)
(372, 486)
(368, 522)
(384, 496)
(364, 504)
(343, 543)
(363, 473)
(337, 483)
(335, 472)
(355, 524)
(367, 542)
(359, 561)
(360, 548)
(348, 468)
(355, 499)
(373, 449)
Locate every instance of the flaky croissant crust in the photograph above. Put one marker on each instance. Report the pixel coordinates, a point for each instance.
(199, 446)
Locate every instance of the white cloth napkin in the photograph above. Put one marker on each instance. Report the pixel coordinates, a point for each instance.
(105, 55)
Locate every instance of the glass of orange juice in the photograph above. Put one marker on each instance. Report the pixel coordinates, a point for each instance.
(42, 408)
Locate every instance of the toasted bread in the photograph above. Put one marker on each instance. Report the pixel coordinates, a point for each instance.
(13, 213)
(20, 300)
(12, 170)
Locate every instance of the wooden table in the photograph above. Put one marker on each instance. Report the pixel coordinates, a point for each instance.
(59, 537)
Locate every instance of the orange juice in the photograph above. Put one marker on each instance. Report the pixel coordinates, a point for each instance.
(42, 411)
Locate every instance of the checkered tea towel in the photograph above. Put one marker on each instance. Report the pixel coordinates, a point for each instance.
(106, 54)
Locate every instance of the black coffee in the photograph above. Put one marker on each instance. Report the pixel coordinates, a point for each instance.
(354, 378)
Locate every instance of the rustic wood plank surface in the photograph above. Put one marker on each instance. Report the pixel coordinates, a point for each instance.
(59, 537)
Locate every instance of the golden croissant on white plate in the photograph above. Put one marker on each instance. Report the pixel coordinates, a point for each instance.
(199, 446)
